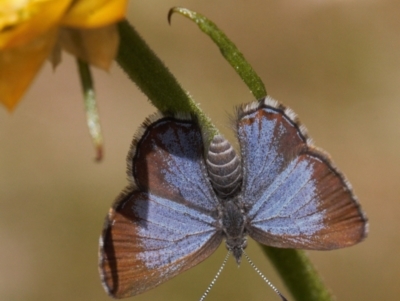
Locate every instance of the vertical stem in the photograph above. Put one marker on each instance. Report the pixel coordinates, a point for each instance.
(154, 79)
(92, 115)
(299, 275)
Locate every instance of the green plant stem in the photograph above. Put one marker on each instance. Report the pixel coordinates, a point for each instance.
(92, 115)
(154, 79)
(299, 275)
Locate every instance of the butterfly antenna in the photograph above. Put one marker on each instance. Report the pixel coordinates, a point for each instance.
(215, 277)
(263, 277)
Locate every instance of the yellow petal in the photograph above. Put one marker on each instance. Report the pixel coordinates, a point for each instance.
(95, 13)
(31, 19)
(96, 46)
(18, 67)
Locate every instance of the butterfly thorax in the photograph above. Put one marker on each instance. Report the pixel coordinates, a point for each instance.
(233, 226)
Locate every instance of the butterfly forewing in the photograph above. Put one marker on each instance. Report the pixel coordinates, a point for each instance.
(169, 161)
(167, 224)
(295, 197)
(267, 145)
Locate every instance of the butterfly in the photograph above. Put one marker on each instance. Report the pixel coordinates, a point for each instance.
(184, 198)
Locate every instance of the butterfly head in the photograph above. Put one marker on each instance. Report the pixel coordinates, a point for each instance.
(237, 248)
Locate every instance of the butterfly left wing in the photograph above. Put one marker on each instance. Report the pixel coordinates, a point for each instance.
(166, 221)
(294, 195)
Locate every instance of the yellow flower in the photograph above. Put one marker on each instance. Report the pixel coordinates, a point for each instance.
(33, 30)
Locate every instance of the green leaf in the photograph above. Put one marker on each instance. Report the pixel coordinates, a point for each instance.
(228, 49)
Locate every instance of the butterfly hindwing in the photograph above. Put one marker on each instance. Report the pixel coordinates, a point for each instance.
(295, 197)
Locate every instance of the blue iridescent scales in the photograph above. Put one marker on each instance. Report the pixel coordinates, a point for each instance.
(184, 199)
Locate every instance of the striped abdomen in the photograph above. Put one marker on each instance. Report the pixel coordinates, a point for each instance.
(224, 168)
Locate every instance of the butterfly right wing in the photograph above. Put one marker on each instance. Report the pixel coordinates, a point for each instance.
(294, 196)
(166, 221)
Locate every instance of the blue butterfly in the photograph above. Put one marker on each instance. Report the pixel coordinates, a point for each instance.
(183, 198)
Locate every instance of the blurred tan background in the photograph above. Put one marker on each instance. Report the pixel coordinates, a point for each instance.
(336, 63)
